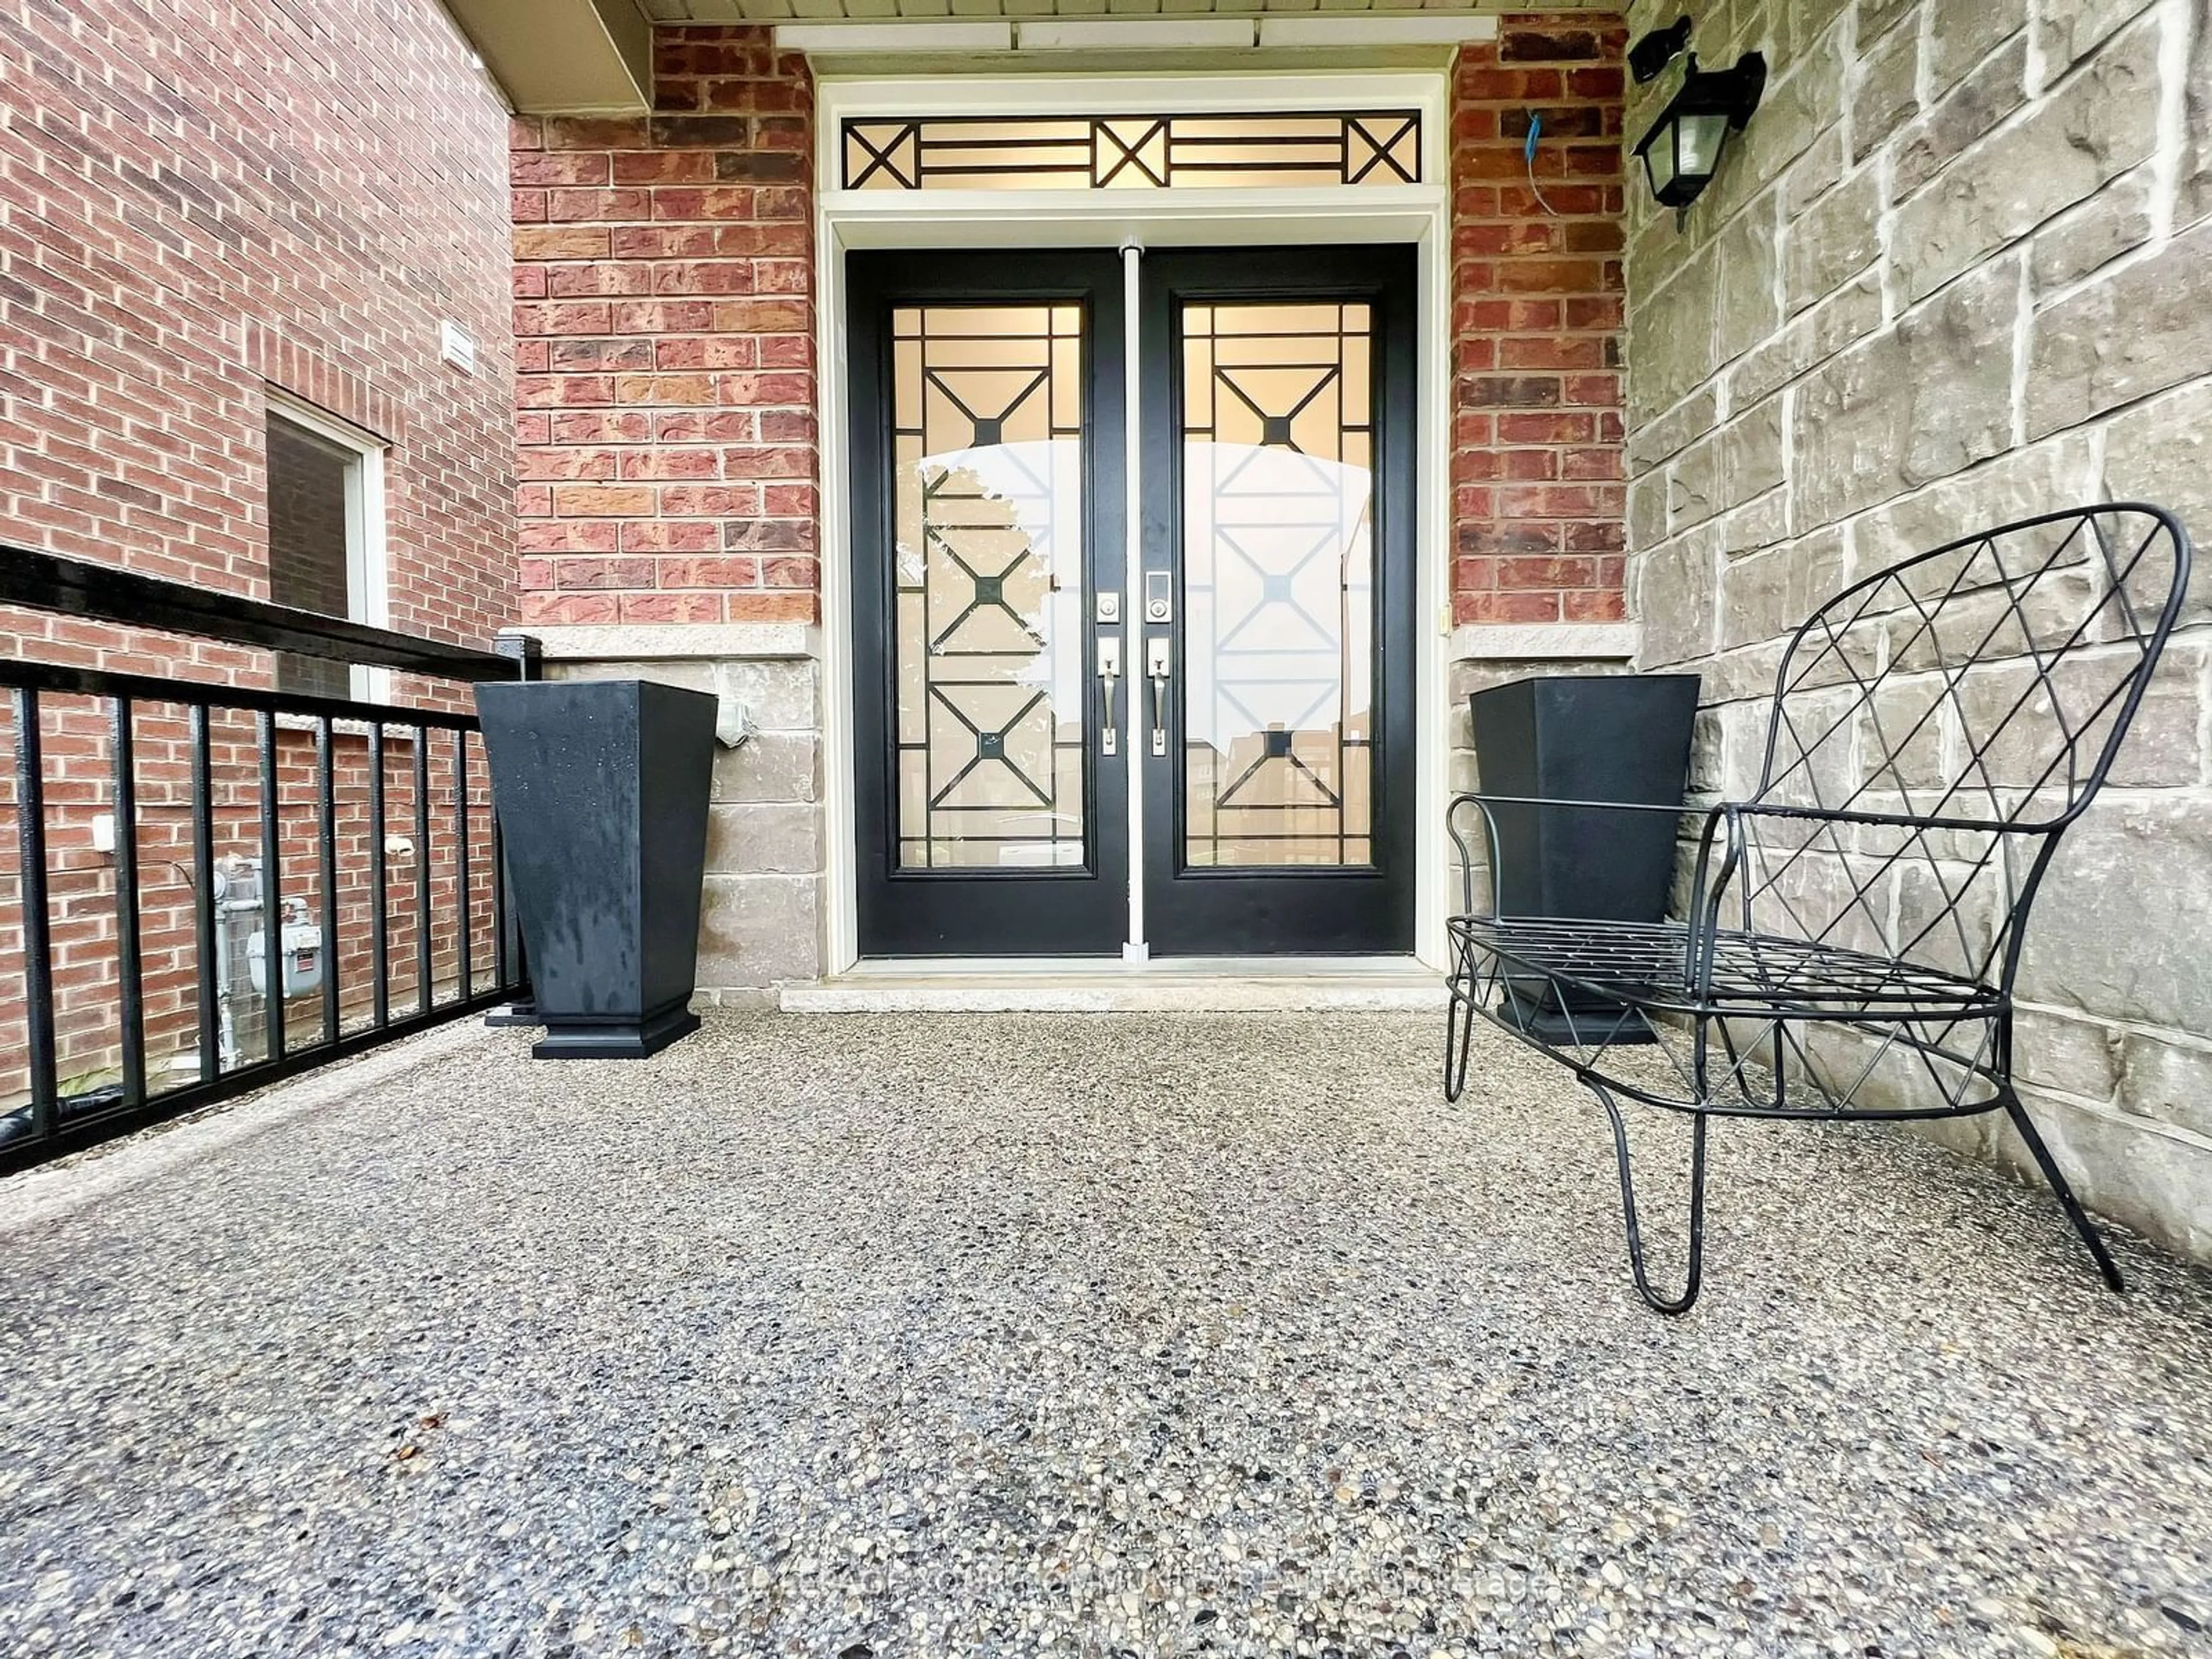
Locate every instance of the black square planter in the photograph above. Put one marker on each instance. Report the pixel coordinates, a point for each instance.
(601, 788)
(1583, 737)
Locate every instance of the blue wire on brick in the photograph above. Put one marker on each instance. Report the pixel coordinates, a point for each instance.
(1528, 154)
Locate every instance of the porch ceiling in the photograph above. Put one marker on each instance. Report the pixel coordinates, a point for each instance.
(732, 11)
(565, 57)
(576, 56)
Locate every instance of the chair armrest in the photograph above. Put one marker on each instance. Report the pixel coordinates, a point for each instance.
(1564, 801)
(1483, 801)
(1756, 809)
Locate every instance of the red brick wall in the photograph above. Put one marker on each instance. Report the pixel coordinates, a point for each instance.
(1537, 465)
(664, 299)
(198, 198)
(664, 291)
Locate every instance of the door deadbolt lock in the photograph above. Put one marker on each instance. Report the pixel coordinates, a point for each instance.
(1160, 596)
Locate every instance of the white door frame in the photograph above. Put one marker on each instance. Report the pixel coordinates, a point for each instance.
(1416, 214)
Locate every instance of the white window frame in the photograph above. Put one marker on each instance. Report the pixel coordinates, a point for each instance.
(368, 593)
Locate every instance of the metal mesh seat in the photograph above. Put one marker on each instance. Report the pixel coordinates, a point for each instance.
(1852, 921)
(1653, 967)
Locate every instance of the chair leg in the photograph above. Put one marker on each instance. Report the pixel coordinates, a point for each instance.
(2087, 1229)
(1459, 1037)
(1681, 1304)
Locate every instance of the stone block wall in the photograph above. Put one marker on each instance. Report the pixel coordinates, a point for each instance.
(1956, 271)
(761, 925)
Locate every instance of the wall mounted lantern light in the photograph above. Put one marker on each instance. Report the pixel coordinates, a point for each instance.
(1682, 151)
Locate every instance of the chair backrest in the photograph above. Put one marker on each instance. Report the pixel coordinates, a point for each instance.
(1981, 689)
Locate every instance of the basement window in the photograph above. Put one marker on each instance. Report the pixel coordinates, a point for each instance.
(325, 536)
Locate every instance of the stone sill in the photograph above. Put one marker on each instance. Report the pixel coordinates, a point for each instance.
(1545, 641)
(677, 642)
(772, 641)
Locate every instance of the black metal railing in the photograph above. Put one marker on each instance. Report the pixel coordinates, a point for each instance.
(135, 1006)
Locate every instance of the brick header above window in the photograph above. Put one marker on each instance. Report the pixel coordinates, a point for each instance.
(1537, 467)
(313, 378)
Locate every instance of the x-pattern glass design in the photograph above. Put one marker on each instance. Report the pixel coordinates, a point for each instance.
(1854, 923)
(986, 437)
(1132, 152)
(1277, 445)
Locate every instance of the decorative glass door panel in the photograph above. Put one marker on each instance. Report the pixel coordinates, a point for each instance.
(1144, 151)
(1277, 454)
(1007, 698)
(989, 627)
(1279, 583)
(987, 478)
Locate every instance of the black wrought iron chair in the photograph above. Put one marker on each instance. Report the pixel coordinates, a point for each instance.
(1853, 924)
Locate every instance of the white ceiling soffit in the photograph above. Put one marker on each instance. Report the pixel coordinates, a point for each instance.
(1221, 39)
(1105, 34)
(563, 57)
(808, 11)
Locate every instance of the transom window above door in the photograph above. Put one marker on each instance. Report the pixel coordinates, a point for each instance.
(1132, 152)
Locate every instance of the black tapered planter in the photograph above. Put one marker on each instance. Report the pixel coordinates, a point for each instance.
(601, 788)
(1590, 738)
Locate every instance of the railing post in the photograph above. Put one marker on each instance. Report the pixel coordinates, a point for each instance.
(272, 895)
(326, 857)
(422, 789)
(130, 962)
(204, 919)
(37, 956)
(527, 652)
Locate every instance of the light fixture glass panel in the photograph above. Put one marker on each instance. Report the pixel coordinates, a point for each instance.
(1700, 138)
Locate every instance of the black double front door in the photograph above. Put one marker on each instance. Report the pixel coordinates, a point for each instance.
(1251, 688)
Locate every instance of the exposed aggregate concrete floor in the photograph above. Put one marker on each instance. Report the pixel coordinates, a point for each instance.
(1073, 1335)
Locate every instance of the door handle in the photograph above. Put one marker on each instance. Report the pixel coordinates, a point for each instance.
(1110, 673)
(1155, 668)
